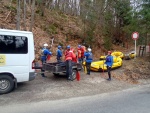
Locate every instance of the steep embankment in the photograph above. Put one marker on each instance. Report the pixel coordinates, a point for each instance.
(63, 28)
(69, 30)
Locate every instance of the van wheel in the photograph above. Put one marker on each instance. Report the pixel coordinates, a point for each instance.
(6, 84)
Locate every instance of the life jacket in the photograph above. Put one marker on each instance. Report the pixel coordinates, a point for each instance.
(59, 53)
(82, 51)
(90, 57)
(74, 57)
(42, 52)
(68, 55)
(45, 54)
(79, 53)
(108, 59)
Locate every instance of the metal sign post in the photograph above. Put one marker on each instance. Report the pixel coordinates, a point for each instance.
(135, 36)
(135, 49)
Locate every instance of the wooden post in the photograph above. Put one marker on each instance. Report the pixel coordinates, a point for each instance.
(143, 48)
(149, 47)
(139, 50)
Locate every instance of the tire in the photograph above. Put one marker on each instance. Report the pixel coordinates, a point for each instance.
(74, 74)
(6, 84)
(55, 74)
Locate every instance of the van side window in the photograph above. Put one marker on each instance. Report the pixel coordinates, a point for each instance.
(13, 44)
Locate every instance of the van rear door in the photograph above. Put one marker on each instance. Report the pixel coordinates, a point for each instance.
(31, 56)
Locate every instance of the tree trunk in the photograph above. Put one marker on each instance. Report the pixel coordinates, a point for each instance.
(52, 4)
(18, 15)
(42, 7)
(32, 15)
(29, 2)
(24, 16)
(78, 7)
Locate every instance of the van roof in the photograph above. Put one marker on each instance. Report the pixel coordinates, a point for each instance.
(18, 31)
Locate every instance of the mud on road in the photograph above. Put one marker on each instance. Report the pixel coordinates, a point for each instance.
(57, 87)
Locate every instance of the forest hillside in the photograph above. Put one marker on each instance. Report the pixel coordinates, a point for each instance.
(103, 25)
(65, 27)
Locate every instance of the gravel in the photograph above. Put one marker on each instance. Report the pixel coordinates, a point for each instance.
(57, 87)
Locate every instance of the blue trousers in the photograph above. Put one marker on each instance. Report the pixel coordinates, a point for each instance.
(69, 69)
(59, 59)
(88, 67)
(109, 70)
(43, 61)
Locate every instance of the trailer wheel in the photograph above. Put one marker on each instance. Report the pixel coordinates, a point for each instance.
(56, 74)
(74, 74)
(6, 84)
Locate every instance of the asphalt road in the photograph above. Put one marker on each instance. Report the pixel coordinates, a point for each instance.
(133, 100)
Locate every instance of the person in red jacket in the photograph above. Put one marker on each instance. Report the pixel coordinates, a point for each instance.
(69, 56)
(83, 49)
(74, 57)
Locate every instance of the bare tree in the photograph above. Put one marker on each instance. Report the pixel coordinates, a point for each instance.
(42, 7)
(18, 15)
(32, 15)
(29, 1)
(9, 11)
(24, 16)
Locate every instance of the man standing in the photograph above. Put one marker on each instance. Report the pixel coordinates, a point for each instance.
(68, 58)
(109, 63)
(83, 49)
(89, 59)
(45, 53)
(79, 54)
(59, 54)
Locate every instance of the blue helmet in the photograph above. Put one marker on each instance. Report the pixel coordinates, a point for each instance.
(59, 47)
(68, 47)
(79, 46)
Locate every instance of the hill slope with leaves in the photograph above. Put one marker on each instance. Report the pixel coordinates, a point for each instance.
(66, 29)
(63, 28)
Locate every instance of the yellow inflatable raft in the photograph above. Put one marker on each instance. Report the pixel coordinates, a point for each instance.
(132, 55)
(129, 56)
(100, 66)
(117, 54)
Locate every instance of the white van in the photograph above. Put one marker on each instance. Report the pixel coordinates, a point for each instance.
(16, 58)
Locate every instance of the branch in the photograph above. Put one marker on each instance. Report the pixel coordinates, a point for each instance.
(7, 15)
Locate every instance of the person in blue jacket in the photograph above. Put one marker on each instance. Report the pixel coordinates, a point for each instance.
(59, 54)
(45, 53)
(89, 58)
(109, 63)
